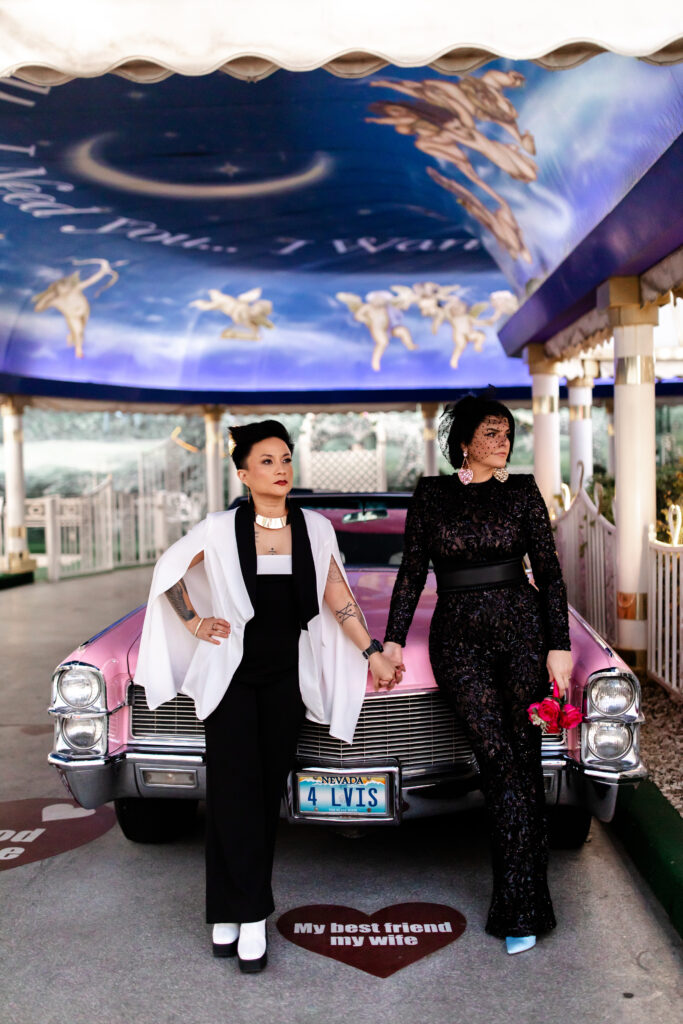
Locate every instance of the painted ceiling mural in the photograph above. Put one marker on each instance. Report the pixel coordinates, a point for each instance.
(304, 232)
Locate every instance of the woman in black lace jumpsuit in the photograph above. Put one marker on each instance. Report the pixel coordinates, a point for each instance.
(493, 646)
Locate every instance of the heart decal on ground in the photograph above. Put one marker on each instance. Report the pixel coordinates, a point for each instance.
(60, 812)
(32, 830)
(381, 943)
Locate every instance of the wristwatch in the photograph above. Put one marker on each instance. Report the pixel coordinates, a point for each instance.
(375, 647)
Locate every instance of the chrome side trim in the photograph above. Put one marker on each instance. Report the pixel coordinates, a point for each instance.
(166, 758)
(612, 777)
(70, 762)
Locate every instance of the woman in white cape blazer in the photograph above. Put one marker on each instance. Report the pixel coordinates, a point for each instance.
(332, 671)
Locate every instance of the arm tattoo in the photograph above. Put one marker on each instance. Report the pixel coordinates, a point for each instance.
(349, 611)
(334, 575)
(180, 601)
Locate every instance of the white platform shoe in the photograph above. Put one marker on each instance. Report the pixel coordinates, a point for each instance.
(252, 955)
(225, 938)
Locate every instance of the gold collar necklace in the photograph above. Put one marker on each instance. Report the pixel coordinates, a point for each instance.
(271, 523)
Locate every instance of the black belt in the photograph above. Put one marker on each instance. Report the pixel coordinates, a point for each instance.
(486, 574)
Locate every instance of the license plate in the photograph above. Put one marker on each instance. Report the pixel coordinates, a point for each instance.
(348, 796)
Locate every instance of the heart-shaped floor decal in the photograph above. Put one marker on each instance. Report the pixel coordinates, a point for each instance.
(60, 812)
(381, 943)
(33, 829)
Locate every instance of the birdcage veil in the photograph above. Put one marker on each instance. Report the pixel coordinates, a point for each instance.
(460, 419)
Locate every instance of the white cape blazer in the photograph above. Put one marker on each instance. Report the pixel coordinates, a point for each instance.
(332, 671)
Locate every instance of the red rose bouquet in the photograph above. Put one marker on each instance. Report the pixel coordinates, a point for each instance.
(554, 714)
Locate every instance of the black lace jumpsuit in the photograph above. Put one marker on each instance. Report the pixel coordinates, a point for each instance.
(488, 649)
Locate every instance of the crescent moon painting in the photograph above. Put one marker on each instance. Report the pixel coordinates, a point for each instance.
(87, 160)
(314, 235)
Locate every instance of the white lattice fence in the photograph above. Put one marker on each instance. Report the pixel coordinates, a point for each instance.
(346, 471)
(97, 531)
(586, 546)
(665, 615)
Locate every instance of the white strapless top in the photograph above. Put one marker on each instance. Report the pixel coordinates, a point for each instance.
(273, 565)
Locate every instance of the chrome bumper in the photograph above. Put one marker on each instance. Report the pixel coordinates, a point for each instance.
(423, 793)
(96, 781)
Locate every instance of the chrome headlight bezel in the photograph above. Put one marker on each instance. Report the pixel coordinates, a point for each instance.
(592, 711)
(67, 723)
(628, 720)
(629, 759)
(62, 705)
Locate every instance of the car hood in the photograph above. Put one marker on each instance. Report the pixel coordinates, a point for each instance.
(119, 643)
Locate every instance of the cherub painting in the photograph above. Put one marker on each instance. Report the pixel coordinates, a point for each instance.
(445, 121)
(466, 321)
(248, 312)
(380, 313)
(67, 295)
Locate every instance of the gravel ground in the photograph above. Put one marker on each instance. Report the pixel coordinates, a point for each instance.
(662, 741)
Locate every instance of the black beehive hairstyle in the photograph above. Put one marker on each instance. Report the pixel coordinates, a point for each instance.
(460, 420)
(242, 439)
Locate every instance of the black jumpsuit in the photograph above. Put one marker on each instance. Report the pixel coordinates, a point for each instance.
(488, 649)
(250, 746)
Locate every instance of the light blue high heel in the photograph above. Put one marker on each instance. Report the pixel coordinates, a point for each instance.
(519, 943)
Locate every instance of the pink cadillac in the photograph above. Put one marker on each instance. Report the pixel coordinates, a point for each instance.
(409, 758)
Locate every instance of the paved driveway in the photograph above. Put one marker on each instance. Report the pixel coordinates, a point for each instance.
(113, 932)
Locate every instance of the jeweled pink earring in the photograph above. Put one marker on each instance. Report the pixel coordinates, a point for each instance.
(465, 474)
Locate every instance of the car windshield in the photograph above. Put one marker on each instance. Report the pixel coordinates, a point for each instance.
(369, 527)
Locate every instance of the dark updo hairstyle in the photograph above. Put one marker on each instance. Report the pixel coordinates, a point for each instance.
(460, 420)
(244, 438)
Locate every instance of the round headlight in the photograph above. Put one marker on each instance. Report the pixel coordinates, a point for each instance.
(82, 733)
(79, 687)
(609, 740)
(612, 695)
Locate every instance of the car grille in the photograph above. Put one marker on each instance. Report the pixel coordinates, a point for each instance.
(418, 729)
(174, 718)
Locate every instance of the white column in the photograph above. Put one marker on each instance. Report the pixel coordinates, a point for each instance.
(545, 404)
(634, 450)
(580, 431)
(609, 409)
(16, 547)
(429, 414)
(215, 501)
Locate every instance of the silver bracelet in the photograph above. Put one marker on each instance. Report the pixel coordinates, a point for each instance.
(196, 629)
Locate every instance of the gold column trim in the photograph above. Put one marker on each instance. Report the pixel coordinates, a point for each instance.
(542, 405)
(634, 370)
(16, 531)
(580, 412)
(632, 606)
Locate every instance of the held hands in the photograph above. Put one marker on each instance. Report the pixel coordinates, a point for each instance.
(211, 629)
(387, 669)
(560, 666)
(394, 652)
(384, 675)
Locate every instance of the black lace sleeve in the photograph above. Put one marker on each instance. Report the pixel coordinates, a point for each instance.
(545, 566)
(412, 572)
